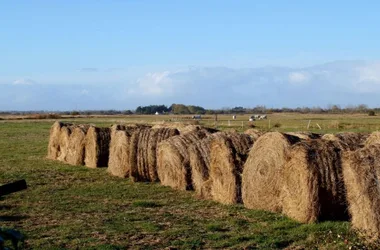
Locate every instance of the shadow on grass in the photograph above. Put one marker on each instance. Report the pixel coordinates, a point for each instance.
(13, 218)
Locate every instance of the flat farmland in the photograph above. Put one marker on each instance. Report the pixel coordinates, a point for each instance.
(76, 207)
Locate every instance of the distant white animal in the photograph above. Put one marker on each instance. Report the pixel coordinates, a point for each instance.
(262, 117)
(234, 117)
(197, 117)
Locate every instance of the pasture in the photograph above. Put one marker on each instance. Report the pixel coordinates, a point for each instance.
(77, 207)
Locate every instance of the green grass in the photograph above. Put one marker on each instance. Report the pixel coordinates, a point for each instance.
(76, 207)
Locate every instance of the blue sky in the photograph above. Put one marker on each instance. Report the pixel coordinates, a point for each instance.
(125, 45)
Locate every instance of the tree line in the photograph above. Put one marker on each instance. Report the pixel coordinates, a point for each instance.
(182, 109)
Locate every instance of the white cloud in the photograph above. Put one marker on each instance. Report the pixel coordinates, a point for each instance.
(156, 84)
(298, 77)
(369, 72)
(24, 81)
(84, 92)
(89, 70)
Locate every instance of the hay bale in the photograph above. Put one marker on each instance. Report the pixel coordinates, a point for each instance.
(173, 162)
(348, 140)
(97, 147)
(254, 133)
(305, 135)
(361, 171)
(143, 150)
(54, 139)
(76, 146)
(64, 138)
(261, 179)
(184, 128)
(119, 156)
(312, 188)
(228, 153)
(199, 155)
(373, 138)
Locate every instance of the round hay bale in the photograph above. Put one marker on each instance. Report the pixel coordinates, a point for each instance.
(54, 139)
(64, 139)
(76, 146)
(119, 155)
(261, 179)
(97, 147)
(373, 138)
(361, 178)
(199, 155)
(184, 128)
(143, 161)
(254, 133)
(228, 153)
(173, 162)
(313, 187)
(305, 135)
(348, 140)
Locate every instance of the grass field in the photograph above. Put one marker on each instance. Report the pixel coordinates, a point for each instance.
(76, 207)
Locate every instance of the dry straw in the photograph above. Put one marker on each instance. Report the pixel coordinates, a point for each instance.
(173, 162)
(199, 154)
(119, 157)
(262, 175)
(76, 147)
(54, 140)
(64, 138)
(97, 147)
(373, 138)
(143, 159)
(361, 178)
(348, 140)
(228, 153)
(313, 187)
(254, 133)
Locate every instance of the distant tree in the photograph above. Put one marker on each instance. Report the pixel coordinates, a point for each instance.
(371, 113)
(179, 109)
(151, 109)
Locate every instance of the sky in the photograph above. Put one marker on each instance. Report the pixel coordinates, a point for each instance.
(65, 55)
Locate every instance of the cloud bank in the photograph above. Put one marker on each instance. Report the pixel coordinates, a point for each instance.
(342, 82)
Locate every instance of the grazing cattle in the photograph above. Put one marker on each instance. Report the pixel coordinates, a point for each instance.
(234, 117)
(256, 116)
(197, 117)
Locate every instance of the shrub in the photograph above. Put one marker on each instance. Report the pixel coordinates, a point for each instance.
(371, 113)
